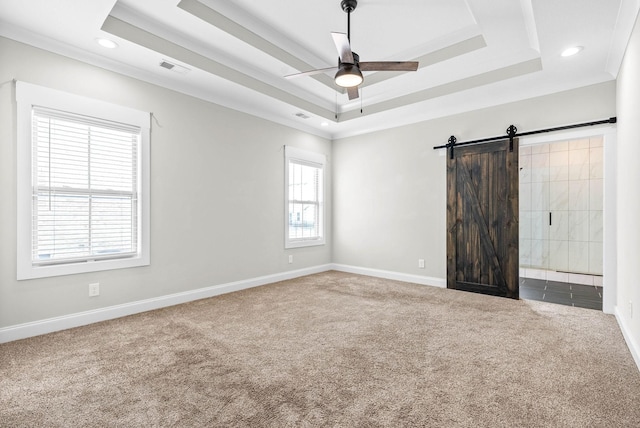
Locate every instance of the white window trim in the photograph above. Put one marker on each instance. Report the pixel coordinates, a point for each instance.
(304, 156)
(29, 95)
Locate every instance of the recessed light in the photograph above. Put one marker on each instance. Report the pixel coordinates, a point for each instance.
(106, 43)
(572, 51)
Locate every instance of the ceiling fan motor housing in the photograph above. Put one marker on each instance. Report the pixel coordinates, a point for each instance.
(349, 5)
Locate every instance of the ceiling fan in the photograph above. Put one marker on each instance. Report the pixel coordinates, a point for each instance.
(349, 74)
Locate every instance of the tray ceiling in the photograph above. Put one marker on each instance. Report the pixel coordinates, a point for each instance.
(472, 53)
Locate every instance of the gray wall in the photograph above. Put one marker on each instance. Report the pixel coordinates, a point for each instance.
(390, 188)
(217, 208)
(628, 211)
(213, 168)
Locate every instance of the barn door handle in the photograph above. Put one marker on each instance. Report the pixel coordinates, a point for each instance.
(549, 219)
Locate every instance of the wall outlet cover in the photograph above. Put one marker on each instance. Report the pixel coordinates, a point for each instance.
(94, 289)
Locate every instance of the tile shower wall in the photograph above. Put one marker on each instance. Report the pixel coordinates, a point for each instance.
(561, 206)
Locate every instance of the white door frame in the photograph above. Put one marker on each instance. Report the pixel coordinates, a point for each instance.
(609, 133)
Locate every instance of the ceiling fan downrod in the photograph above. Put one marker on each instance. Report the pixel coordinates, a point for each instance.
(349, 6)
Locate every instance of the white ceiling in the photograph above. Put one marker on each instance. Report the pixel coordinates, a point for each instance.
(472, 53)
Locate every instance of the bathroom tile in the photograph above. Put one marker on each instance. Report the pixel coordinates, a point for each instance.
(579, 144)
(595, 258)
(524, 150)
(578, 225)
(525, 225)
(525, 168)
(596, 226)
(587, 292)
(578, 257)
(579, 195)
(557, 276)
(540, 254)
(539, 167)
(570, 294)
(559, 228)
(597, 141)
(596, 201)
(579, 164)
(528, 293)
(522, 270)
(537, 274)
(540, 196)
(539, 148)
(559, 166)
(525, 252)
(539, 224)
(596, 163)
(575, 278)
(559, 195)
(559, 146)
(598, 281)
(559, 255)
(525, 197)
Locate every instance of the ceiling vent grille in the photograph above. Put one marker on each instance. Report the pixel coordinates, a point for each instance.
(174, 67)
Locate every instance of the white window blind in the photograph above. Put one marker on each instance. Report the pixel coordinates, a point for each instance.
(85, 181)
(305, 198)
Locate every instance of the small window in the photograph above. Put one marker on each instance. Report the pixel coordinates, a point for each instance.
(304, 190)
(83, 184)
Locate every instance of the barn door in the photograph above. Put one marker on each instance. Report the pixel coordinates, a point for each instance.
(482, 219)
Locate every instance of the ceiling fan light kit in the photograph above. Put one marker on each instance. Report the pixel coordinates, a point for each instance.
(350, 68)
(349, 76)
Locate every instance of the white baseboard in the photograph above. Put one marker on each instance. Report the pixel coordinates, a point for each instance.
(397, 276)
(634, 347)
(50, 325)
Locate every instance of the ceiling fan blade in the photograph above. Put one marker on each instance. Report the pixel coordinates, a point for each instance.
(310, 72)
(344, 49)
(389, 66)
(353, 92)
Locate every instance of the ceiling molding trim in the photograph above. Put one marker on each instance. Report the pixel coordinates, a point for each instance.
(498, 75)
(530, 24)
(206, 14)
(143, 38)
(627, 15)
(440, 55)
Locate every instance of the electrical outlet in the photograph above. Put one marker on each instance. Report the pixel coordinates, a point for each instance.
(290, 258)
(94, 289)
(421, 263)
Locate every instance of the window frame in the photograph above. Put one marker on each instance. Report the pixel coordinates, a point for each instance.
(29, 96)
(307, 158)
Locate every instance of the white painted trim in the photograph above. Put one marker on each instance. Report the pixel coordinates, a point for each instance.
(634, 347)
(29, 95)
(50, 325)
(609, 133)
(397, 276)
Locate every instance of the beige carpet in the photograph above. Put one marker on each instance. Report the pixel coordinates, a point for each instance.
(332, 349)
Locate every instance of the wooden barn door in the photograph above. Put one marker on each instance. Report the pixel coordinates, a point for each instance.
(482, 219)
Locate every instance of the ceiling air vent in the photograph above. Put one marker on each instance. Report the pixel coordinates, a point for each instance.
(174, 67)
(302, 115)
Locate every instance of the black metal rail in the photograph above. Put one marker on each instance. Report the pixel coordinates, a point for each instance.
(512, 132)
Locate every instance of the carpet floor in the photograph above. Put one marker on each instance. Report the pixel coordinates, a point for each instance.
(331, 349)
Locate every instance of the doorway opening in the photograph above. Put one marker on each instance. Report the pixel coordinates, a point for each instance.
(565, 196)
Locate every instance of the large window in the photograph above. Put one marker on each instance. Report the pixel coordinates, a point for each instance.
(304, 187)
(83, 184)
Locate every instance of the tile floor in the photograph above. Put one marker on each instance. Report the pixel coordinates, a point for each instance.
(583, 296)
